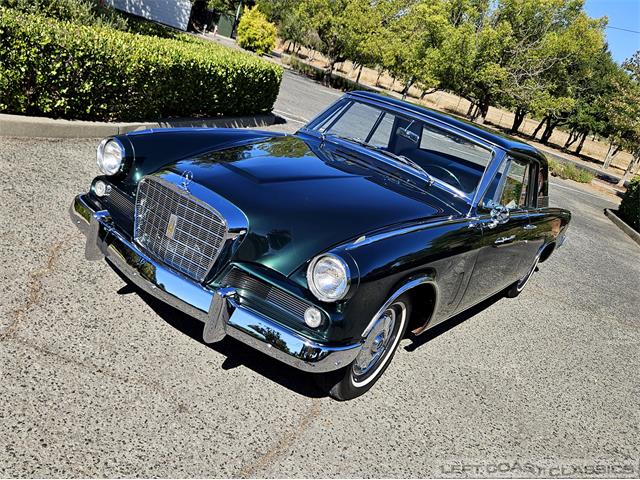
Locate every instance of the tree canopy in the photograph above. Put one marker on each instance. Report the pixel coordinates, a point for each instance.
(543, 58)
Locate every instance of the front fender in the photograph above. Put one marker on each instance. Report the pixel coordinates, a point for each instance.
(441, 253)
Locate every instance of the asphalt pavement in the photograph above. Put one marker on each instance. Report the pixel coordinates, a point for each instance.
(97, 380)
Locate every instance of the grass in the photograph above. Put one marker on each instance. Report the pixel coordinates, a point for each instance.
(570, 172)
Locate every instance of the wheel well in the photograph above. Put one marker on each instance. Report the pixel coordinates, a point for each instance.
(423, 303)
(547, 251)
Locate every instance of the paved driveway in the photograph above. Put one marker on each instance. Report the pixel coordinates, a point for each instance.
(96, 380)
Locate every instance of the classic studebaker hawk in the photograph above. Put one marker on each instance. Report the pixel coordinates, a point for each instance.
(324, 248)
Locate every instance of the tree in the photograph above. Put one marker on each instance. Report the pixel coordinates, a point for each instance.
(474, 68)
(624, 113)
(328, 21)
(414, 33)
(582, 42)
(255, 32)
(590, 114)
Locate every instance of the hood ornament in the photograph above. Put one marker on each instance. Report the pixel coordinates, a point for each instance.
(187, 178)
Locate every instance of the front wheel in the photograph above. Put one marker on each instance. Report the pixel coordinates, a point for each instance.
(378, 348)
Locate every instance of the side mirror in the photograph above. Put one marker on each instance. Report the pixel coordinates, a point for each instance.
(408, 134)
(499, 213)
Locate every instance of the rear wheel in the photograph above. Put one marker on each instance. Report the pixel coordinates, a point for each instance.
(517, 287)
(378, 349)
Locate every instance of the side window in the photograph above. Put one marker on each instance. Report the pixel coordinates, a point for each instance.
(543, 187)
(356, 122)
(515, 191)
(437, 140)
(382, 134)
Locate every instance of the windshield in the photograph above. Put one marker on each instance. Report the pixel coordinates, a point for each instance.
(430, 150)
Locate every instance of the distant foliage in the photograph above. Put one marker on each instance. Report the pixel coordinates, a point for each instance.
(630, 205)
(255, 32)
(63, 69)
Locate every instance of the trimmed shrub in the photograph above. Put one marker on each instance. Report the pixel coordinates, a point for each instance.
(320, 75)
(630, 205)
(255, 32)
(570, 171)
(62, 69)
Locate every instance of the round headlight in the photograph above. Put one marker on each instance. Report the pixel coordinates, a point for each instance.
(110, 155)
(328, 277)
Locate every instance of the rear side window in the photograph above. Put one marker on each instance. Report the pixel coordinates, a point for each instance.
(515, 191)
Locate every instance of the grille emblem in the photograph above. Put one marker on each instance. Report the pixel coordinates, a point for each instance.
(187, 178)
(171, 226)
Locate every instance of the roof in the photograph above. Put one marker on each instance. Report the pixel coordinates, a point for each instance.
(503, 141)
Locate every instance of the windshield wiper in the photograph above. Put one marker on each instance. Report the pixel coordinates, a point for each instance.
(399, 158)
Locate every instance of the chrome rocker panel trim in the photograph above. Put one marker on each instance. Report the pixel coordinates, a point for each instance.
(219, 310)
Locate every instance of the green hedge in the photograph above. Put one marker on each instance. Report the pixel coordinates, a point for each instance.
(62, 69)
(630, 205)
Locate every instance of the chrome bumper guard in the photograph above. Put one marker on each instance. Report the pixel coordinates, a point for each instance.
(220, 310)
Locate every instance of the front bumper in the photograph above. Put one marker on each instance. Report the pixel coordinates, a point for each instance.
(220, 310)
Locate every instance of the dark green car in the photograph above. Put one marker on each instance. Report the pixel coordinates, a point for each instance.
(324, 248)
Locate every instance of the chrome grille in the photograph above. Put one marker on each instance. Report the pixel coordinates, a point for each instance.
(178, 229)
(242, 281)
(120, 202)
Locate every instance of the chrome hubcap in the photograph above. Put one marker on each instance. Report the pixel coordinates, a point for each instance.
(376, 343)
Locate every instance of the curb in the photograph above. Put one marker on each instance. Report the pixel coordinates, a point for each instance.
(24, 126)
(635, 236)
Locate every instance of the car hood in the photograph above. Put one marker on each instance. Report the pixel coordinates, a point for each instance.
(301, 199)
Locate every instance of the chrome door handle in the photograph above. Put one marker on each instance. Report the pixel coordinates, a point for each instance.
(529, 227)
(501, 240)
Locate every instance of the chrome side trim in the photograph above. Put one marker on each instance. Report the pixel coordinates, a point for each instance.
(413, 283)
(219, 310)
(401, 231)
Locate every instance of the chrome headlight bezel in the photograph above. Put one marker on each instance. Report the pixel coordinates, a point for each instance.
(112, 149)
(313, 284)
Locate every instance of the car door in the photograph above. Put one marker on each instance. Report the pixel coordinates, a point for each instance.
(509, 242)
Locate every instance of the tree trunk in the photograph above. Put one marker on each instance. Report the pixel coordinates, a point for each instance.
(548, 131)
(632, 165)
(359, 73)
(481, 113)
(542, 122)
(611, 152)
(405, 90)
(378, 79)
(581, 144)
(518, 119)
(472, 106)
(573, 136)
